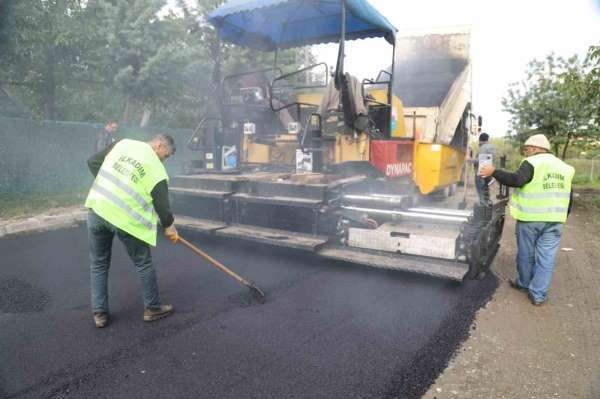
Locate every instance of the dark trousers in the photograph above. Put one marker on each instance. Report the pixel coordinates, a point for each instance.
(483, 189)
(101, 234)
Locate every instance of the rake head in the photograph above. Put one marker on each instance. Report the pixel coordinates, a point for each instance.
(256, 293)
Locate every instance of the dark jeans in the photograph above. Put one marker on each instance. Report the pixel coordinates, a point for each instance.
(483, 190)
(101, 234)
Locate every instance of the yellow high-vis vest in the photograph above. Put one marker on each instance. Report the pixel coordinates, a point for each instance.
(121, 193)
(546, 197)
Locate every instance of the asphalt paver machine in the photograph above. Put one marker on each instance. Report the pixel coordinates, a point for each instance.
(336, 166)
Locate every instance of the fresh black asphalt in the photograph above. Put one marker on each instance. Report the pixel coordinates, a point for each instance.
(328, 329)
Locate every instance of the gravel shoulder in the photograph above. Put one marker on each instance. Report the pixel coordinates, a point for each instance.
(517, 350)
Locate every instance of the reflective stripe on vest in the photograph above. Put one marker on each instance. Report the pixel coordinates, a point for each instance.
(521, 194)
(540, 210)
(138, 198)
(546, 197)
(123, 205)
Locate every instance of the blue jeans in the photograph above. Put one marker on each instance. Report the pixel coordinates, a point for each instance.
(101, 234)
(538, 243)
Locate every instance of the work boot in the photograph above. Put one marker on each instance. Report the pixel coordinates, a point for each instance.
(536, 302)
(101, 319)
(151, 314)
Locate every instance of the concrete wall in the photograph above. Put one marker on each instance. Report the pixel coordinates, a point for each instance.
(50, 157)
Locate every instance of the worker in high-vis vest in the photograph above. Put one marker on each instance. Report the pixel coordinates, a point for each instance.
(540, 204)
(128, 197)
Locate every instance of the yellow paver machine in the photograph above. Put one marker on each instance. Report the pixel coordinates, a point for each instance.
(323, 162)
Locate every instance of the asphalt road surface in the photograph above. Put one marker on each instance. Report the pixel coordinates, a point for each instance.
(328, 329)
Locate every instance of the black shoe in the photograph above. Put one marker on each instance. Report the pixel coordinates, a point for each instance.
(516, 286)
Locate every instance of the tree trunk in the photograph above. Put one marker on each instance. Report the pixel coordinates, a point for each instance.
(126, 110)
(564, 153)
(146, 116)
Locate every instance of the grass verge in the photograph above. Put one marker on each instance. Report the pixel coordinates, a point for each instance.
(29, 204)
(587, 199)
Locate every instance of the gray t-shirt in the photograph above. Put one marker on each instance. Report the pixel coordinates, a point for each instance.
(485, 148)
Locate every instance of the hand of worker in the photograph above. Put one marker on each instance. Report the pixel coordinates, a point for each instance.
(171, 233)
(487, 171)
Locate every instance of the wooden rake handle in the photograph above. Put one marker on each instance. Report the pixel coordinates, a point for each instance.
(213, 261)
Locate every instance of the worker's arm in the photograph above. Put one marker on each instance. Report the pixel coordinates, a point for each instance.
(518, 179)
(95, 161)
(160, 198)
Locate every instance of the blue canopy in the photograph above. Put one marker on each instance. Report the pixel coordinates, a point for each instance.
(271, 24)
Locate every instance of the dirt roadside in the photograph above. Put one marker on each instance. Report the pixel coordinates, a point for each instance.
(517, 350)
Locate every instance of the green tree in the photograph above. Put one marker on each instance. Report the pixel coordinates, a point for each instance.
(40, 50)
(556, 99)
(147, 55)
(95, 60)
(592, 83)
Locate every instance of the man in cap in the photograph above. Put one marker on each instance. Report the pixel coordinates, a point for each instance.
(129, 195)
(540, 204)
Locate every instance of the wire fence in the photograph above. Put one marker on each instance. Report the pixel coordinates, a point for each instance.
(587, 170)
(47, 157)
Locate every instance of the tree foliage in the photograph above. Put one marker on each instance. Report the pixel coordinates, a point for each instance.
(129, 60)
(42, 46)
(559, 97)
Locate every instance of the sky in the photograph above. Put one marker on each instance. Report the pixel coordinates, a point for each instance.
(505, 36)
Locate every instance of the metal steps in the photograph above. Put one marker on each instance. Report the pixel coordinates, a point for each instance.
(199, 225)
(199, 193)
(414, 264)
(281, 238)
(277, 200)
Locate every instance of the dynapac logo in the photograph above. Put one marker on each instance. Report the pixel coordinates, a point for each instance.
(398, 169)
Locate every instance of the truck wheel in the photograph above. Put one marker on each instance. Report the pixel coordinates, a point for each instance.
(439, 195)
(475, 266)
(474, 271)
